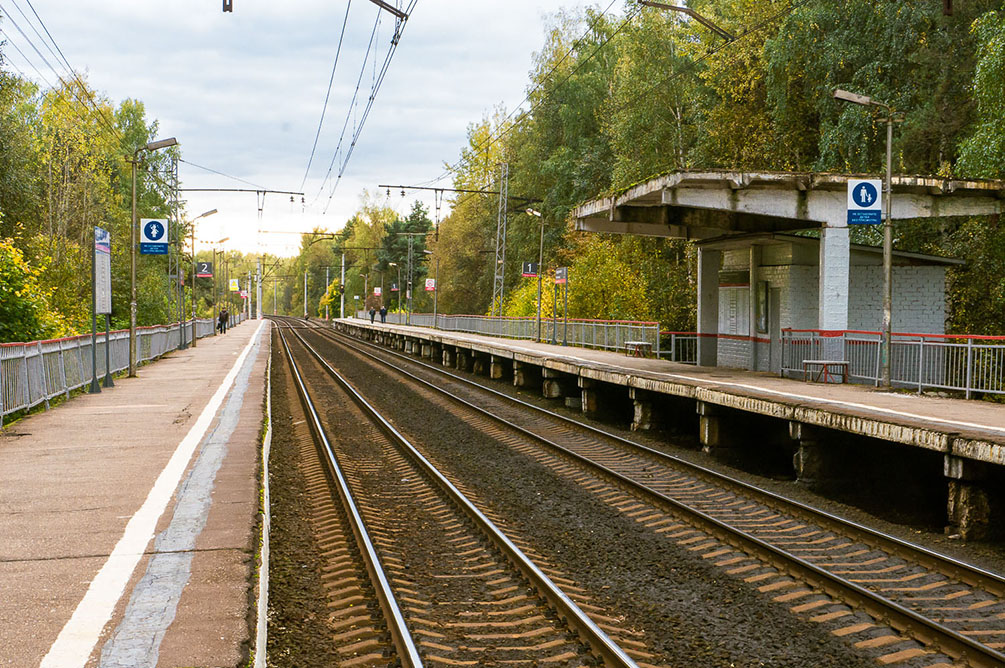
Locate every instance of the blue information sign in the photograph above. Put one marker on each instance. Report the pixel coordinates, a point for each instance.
(865, 201)
(153, 236)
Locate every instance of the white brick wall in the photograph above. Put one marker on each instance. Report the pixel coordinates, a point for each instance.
(734, 354)
(919, 299)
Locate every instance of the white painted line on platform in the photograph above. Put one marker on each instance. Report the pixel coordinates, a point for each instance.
(76, 641)
(262, 625)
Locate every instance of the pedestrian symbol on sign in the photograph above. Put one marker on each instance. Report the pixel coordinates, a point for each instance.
(865, 194)
(154, 230)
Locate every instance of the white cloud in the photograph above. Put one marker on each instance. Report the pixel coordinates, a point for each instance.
(243, 92)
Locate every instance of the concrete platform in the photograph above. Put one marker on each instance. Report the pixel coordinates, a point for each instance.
(128, 518)
(969, 435)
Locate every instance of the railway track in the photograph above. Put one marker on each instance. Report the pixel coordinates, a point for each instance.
(947, 605)
(452, 588)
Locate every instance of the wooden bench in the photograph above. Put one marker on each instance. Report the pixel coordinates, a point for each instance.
(639, 348)
(825, 370)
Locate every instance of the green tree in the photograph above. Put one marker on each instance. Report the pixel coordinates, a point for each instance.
(24, 310)
(982, 155)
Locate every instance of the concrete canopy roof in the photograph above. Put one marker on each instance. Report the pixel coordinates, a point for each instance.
(744, 241)
(713, 203)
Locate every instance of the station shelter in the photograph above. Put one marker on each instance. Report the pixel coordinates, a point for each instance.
(769, 282)
(747, 255)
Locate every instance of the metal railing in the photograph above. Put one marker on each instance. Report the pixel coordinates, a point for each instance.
(37, 372)
(956, 362)
(602, 334)
(679, 347)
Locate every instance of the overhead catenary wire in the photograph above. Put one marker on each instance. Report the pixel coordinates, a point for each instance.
(672, 76)
(591, 27)
(378, 80)
(103, 118)
(219, 173)
(359, 123)
(349, 111)
(324, 107)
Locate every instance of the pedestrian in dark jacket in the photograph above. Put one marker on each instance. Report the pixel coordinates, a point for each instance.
(224, 318)
(383, 314)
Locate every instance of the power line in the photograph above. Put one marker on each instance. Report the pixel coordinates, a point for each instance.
(90, 96)
(102, 118)
(505, 131)
(324, 107)
(378, 80)
(213, 171)
(349, 111)
(374, 89)
(691, 64)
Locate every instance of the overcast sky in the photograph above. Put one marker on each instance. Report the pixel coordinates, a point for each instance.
(243, 91)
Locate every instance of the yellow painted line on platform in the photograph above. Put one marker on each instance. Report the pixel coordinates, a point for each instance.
(76, 641)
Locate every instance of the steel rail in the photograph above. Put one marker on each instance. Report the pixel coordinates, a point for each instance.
(611, 653)
(408, 654)
(895, 614)
(960, 570)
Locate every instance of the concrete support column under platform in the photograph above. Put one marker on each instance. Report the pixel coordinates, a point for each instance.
(968, 506)
(497, 370)
(589, 395)
(709, 262)
(551, 384)
(465, 360)
(718, 434)
(449, 355)
(642, 417)
(526, 375)
(818, 464)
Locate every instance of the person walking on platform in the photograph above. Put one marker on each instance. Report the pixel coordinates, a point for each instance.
(224, 317)
(373, 303)
(383, 314)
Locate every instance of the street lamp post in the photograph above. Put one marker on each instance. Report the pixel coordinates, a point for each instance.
(885, 346)
(395, 264)
(152, 146)
(201, 215)
(217, 267)
(540, 261)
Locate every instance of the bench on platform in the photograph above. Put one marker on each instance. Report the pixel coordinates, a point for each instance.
(639, 348)
(825, 369)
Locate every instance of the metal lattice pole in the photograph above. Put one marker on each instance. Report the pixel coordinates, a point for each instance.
(498, 283)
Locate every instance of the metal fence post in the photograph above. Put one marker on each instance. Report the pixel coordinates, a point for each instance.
(62, 371)
(970, 349)
(921, 361)
(879, 355)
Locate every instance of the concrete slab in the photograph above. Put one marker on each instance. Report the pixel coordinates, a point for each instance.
(971, 429)
(74, 477)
